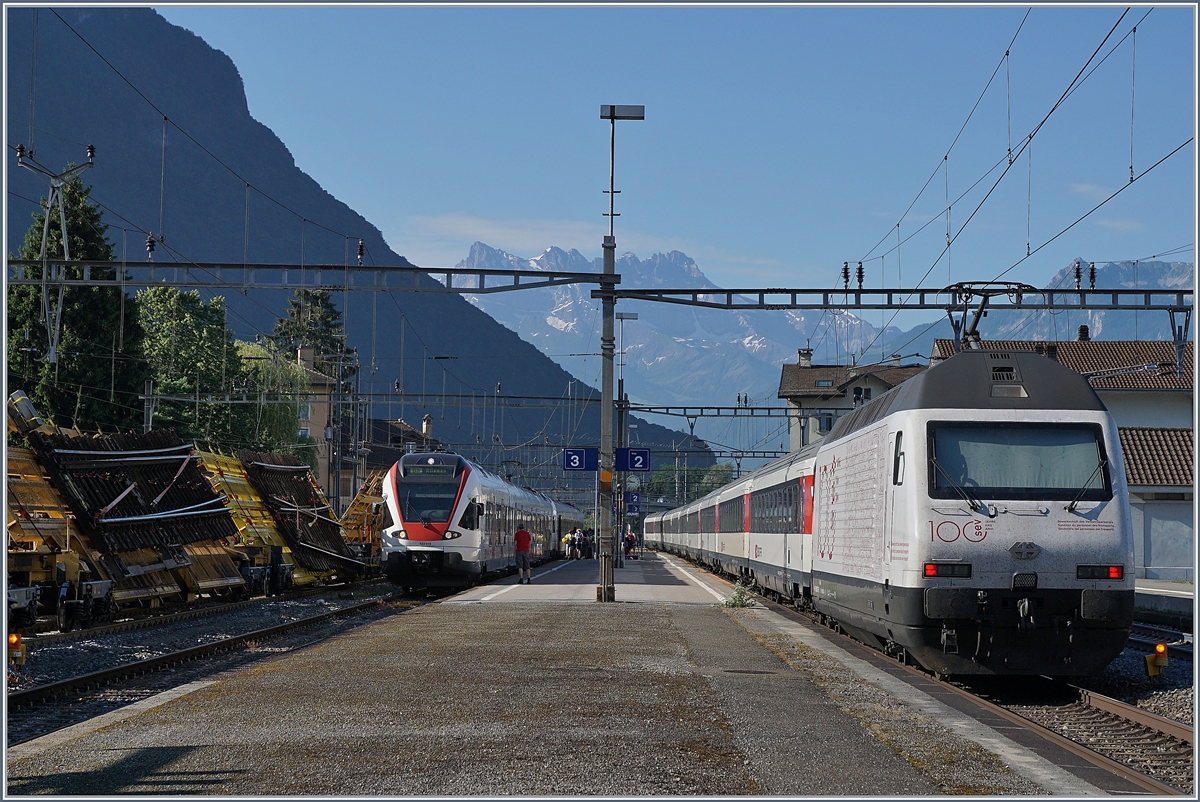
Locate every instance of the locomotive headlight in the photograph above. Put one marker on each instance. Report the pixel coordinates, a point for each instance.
(400, 533)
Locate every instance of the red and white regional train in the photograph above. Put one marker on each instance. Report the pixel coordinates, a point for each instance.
(974, 519)
(448, 522)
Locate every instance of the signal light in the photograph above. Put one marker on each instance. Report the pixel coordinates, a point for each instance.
(1116, 572)
(1156, 662)
(16, 649)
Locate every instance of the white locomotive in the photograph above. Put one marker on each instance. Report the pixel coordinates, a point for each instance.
(448, 522)
(974, 519)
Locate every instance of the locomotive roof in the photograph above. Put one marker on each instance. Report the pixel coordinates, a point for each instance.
(971, 380)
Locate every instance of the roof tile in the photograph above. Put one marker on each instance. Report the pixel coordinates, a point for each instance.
(1157, 456)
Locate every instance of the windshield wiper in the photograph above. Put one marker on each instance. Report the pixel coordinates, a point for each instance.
(975, 504)
(1075, 501)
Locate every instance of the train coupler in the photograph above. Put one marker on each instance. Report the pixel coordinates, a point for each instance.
(1025, 624)
(1064, 638)
(949, 640)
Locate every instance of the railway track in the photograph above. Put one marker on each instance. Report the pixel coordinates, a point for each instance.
(43, 708)
(1151, 751)
(157, 619)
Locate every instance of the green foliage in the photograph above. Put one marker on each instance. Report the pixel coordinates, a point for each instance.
(741, 596)
(272, 427)
(100, 371)
(313, 321)
(190, 351)
(687, 484)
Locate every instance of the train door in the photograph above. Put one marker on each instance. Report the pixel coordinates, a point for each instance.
(892, 488)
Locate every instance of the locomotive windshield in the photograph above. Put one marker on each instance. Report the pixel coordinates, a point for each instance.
(1033, 461)
(426, 502)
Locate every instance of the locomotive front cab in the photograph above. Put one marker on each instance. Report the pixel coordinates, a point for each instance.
(1026, 564)
(424, 543)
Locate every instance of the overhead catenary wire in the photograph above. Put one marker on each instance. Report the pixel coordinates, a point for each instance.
(1081, 76)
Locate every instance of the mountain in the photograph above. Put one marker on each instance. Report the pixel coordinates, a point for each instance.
(187, 181)
(685, 355)
(674, 354)
(1131, 325)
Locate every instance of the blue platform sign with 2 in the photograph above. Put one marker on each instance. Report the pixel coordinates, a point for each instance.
(632, 459)
(581, 459)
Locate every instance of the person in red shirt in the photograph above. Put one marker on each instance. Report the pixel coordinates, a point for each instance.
(524, 572)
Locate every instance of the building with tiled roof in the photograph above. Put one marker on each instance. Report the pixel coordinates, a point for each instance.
(819, 394)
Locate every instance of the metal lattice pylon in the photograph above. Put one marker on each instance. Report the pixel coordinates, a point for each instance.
(52, 310)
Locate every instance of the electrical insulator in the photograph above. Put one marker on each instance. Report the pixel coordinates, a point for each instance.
(91, 152)
(1078, 275)
(20, 152)
(846, 275)
(1092, 274)
(860, 275)
(150, 247)
(360, 252)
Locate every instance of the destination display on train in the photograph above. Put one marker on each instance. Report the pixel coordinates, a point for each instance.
(429, 470)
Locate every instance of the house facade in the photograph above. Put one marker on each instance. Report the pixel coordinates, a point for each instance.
(819, 394)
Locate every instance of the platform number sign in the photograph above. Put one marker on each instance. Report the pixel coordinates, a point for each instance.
(580, 459)
(633, 502)
(632, 459)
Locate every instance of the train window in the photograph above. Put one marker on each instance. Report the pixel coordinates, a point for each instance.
(470, 516)
(1029, 461)
(426, 502)
(898, 460)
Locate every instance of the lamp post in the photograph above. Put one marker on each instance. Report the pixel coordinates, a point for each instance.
(622, 404)
(606, 590)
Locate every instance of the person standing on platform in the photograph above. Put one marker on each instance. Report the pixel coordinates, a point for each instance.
(524, 572)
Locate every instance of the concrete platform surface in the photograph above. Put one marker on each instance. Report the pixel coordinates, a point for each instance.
(526, 690)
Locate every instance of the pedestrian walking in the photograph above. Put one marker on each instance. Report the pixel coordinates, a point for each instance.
(521, 541)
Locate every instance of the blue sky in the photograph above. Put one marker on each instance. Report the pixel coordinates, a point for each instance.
(778, 142)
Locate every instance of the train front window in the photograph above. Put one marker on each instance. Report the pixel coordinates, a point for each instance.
(426, 502)
(1030, 461)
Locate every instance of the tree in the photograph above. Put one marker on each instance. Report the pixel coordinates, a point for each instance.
(190, 351)
(267, 373)
(687, 484)
(99, 372)
(313, 321)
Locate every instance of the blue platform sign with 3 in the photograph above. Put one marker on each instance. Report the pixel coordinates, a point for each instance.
(580, 459)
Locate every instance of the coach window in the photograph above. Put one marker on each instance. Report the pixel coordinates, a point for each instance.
(898, 461)
(470, 516)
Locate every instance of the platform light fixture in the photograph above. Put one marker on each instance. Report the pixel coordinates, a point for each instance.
(606, 590)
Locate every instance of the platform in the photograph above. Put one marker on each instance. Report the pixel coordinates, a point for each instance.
(538, 689)
(1160, 601)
